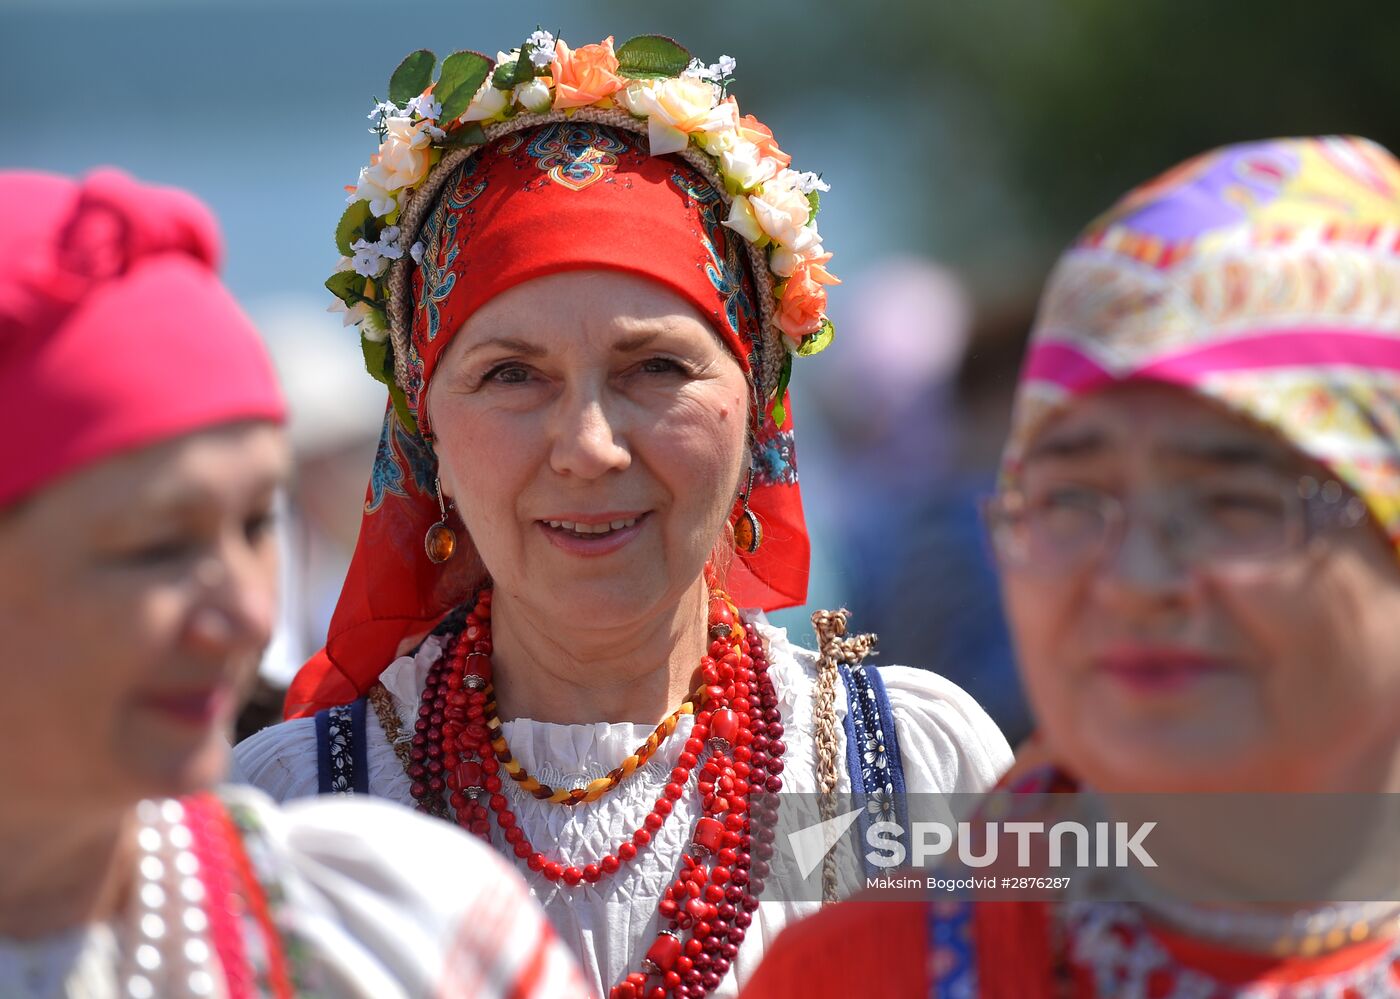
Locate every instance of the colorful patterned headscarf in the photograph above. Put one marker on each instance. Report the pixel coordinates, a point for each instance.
(1264, 276)
(564, 196)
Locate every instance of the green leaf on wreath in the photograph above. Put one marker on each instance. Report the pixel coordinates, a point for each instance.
(347, 286)
(779, 411)
(412, 77)
(356, 223)
(814, 201)
(462, 76)
(504, 76)
(517, 71)
(651, 57)
(525, 68)
(815, 343)
(379, 362)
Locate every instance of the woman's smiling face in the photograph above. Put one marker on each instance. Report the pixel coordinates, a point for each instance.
(591, 430)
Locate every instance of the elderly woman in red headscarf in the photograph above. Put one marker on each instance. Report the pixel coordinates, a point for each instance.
(584, 275)
(137, 586)
(1199, 532)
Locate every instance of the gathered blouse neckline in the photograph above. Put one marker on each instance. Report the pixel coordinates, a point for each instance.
(562, 752)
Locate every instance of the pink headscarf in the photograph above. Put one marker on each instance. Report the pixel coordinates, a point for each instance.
(115, 332)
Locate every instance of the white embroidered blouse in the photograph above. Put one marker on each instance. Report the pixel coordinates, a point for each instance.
(947, 743)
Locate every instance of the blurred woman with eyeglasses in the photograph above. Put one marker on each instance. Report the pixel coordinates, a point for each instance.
(1198, 527)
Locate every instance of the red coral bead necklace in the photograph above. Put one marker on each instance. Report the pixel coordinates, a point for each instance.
(706, 911)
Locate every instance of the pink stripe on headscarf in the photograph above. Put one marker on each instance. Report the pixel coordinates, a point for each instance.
(1071, 368)
(1065, 365)
(1305, 347)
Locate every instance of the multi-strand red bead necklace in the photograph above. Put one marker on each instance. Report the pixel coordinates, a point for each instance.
(458, 748)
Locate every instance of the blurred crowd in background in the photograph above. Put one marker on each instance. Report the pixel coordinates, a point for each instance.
(963, 143)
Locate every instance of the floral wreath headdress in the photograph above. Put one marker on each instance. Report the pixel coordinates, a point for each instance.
(650, 85)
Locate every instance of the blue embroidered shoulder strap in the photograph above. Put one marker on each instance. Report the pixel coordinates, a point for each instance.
(341, 766)
(872, 750)
(341, 744)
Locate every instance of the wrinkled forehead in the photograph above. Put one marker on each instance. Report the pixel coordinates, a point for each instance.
(580, 315)
(1146, 429)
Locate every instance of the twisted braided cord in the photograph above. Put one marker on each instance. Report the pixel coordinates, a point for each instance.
(383, 703)
(834, 648)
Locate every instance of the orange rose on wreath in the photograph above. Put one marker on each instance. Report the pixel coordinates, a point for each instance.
(585, 75)
(804, 298)
(761, 135)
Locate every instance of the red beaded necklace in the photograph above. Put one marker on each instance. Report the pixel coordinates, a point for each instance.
(233, 893)
(709, 906)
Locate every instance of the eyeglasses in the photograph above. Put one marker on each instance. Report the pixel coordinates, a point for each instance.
(1066, 527)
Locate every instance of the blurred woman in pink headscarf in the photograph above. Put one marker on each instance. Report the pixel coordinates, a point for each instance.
(137, 576)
